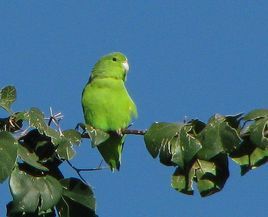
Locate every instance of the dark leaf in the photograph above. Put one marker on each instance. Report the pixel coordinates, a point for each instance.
(182, 181)
(33, 191)
(8, 154)
(77, 200)
(69, 208)
(39, 144)
(79, 192)
(249, 156)
(162, 139)
(211, 175)
(187, 148)
(11, 212)
(197, 126)
(234, 120)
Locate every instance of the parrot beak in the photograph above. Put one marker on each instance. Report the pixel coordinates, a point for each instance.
(125, 65)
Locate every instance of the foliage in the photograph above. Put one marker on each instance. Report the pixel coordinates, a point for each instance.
(200, 151)
(31, 151)
(33, 147)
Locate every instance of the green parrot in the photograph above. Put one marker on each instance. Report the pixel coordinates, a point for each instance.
(107, 105)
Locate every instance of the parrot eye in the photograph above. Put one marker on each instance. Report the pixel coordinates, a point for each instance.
(114, 59)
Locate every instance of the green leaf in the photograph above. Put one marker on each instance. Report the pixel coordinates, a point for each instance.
(7, 97)
(211, 175)
(187, 148)
(63, 141)
(45, 145)
(182, 181)
(97, 136)
(217, 137)
(249, 156)
(77, 199)
(173, 142)
(69, 208)
(65, 149)
(79, 192)
(256, 114)
(203, 169)
(32, 191)
(258, 133)
(30, 158)
(258, 157)
(159, 134)
(73, 136)
(8, 154)
(36, 119)
(162, 139)
(65, 144)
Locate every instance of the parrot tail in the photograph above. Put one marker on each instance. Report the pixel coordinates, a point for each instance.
(111, 150)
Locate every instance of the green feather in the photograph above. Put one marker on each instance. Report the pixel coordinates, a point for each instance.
(107, 104)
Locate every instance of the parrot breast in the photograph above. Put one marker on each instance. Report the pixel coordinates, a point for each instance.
(107, 104)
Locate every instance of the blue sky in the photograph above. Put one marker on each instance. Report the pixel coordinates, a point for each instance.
(188, 59)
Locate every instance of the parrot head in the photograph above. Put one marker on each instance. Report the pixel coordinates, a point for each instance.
(112, 65)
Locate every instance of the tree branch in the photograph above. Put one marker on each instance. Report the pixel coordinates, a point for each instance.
(124, 132)
(134, 132)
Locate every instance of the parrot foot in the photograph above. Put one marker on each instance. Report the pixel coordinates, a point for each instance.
(119, 132)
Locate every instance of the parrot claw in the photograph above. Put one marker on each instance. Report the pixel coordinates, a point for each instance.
(119, 132)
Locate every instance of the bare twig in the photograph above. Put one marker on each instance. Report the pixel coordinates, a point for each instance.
(78, 170)
(78, 173)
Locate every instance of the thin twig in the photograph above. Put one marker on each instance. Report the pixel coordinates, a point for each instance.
(91, 169)
(78, 170)
(78, 173)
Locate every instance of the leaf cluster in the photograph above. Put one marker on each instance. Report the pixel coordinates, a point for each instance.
(31, 151)
(200, 151)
